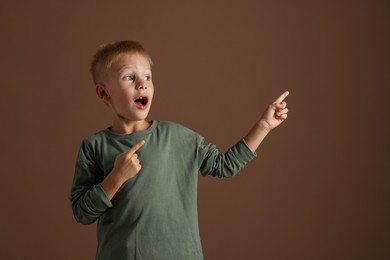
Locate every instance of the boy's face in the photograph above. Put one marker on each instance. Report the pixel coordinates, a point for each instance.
(129, 87)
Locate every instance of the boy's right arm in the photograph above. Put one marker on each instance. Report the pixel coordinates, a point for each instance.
(126, 166)
(91, 194)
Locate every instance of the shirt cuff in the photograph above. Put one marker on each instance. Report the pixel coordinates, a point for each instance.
(99, 198)
(247, 153)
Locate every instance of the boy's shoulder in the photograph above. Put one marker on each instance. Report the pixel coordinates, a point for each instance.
(169, 124)
(175, 127)
(95, 138)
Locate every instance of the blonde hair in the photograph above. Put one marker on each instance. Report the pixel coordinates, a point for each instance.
(108, 53)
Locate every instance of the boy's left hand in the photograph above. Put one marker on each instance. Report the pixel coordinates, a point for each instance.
(276, 113)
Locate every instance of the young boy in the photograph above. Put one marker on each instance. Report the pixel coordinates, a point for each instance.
(138, 178)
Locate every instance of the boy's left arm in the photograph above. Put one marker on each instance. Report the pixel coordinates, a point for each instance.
(273, 116)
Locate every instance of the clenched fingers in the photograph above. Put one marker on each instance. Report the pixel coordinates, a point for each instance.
(282, 112)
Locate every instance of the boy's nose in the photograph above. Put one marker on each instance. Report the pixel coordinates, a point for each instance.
(142, 85)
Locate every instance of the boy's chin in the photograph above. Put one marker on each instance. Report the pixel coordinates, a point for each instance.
(141, 116)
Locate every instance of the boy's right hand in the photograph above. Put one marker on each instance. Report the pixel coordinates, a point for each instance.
(126, 164)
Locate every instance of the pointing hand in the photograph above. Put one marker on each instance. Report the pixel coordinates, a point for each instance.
(127, 164)
(276, 113)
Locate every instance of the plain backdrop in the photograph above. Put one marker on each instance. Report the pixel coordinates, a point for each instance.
(319, 188)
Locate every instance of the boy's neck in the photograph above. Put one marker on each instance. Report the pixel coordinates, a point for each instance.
(130, 127)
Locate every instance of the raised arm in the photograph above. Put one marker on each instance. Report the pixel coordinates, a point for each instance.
(273, 116)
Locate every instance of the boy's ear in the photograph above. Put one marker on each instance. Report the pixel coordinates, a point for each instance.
(102, 92)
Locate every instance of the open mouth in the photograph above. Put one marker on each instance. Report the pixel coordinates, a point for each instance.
(141, 101)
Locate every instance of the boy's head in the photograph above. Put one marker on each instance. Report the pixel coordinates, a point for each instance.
(123, 80)
(108, 54)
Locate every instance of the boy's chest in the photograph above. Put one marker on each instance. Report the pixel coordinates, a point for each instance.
(167, 158)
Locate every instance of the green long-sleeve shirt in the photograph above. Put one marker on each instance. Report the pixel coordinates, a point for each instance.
(154, 214)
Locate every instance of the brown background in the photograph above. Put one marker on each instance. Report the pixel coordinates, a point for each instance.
(319, 188)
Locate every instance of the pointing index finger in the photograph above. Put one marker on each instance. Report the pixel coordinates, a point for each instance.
(135, 147)
(282, 97)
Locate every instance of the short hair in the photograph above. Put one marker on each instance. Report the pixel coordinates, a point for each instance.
(108, 53)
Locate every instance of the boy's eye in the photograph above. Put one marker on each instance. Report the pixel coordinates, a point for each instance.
(148, 78)
(128, 78)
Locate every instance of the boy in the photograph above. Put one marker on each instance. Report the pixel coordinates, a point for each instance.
(138, 178)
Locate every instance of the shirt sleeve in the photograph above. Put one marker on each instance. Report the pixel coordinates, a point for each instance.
(88, 198)
(228, 164)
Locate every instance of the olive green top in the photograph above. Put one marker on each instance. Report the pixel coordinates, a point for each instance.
(154, 214)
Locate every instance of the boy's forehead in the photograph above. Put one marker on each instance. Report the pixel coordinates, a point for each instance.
(130, 59)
